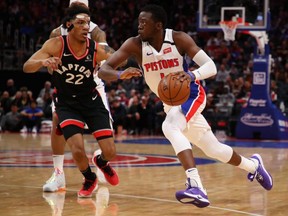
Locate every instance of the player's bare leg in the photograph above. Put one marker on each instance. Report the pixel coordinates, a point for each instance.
(101, 158)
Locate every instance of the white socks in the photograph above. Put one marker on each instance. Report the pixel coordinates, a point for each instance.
(250, 165)
(195, 180)
(58, 161)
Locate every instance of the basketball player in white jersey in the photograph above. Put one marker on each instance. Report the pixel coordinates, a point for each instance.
(57, 181)
(161, 51)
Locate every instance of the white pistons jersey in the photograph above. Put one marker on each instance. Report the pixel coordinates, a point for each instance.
(156, 65)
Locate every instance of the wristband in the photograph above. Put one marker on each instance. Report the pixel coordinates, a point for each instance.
(119, 74)
(192, 75)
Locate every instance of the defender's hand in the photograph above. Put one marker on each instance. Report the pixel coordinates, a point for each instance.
(129, 73)
(52, 62)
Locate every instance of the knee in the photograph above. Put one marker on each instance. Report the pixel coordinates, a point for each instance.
(169, 127)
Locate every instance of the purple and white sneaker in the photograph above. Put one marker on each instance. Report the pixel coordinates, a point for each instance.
(193, 195)
(261, 174)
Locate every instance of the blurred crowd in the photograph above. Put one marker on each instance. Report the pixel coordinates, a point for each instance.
(25, 25)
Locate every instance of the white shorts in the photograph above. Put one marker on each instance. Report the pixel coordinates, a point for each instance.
(194, 129)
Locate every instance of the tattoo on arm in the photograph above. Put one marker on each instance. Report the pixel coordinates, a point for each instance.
(108, 49)
(98, 35)
(55, 33)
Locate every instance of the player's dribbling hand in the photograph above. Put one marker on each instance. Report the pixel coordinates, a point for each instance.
(182, 76)
(130, 72)
(52, 62)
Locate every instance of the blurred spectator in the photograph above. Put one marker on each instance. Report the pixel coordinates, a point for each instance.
(133, 116)
(225, 101)
(118, 112)
(32, 117)
(222, 74)
(46, 105)
(12, 121)
(46, 89)
(146, 116)
(10, 87)
(17, 99)
(159, 117)
(132, 93)
(25, 99)
(5, 102)
(1, 114)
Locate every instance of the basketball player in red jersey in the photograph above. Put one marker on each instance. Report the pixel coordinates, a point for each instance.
(57, 181)
(161, 51)
(73, 60)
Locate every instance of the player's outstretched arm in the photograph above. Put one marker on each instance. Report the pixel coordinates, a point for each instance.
(186, 45)
(131, 47)
(44, 57)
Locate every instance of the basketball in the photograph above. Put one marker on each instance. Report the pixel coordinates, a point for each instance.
(172, 91)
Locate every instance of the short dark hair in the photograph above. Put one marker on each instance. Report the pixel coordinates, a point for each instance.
(73, 10)
(158, 13)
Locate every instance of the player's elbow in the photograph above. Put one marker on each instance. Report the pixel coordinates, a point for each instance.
(26, 68)
(101, 73)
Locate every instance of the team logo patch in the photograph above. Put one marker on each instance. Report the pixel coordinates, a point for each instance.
(167, 50)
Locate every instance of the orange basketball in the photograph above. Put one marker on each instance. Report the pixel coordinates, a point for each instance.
(172, 91)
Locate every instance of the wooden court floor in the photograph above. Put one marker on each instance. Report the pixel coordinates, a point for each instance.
(150, 174)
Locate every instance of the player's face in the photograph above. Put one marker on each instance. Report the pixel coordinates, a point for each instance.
(146, 26)
(81, 25)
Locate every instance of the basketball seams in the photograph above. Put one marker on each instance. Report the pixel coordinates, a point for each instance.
(172, 91)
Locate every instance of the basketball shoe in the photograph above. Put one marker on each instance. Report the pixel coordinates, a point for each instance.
(106, 173)
(88, 187)
(261, 174)
(193, 195)
(56, 182)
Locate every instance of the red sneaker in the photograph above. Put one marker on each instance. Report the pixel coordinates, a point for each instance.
(108, 172)
(88, 187)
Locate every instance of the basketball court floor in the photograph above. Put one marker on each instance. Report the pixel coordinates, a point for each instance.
(150, 174)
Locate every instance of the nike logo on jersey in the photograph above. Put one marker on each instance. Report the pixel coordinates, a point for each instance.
(67, 54)
(93, 98)
(148, 54)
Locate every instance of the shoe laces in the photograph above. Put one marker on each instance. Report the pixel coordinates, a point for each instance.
(259, 177)
(107, 169)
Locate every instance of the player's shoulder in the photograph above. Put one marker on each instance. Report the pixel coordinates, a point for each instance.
(133, 44)
(179, 34)
(135, 40)
(181, 37)
(55, 32)
(57, 40)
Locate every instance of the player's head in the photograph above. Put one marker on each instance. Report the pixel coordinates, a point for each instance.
(77, 17)
(151, 20)
(84, 2)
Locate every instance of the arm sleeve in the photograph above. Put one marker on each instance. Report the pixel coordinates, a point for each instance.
(207, 66)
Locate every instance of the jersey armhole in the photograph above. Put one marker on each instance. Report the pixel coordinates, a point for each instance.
(62, 49)
(95, 54)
